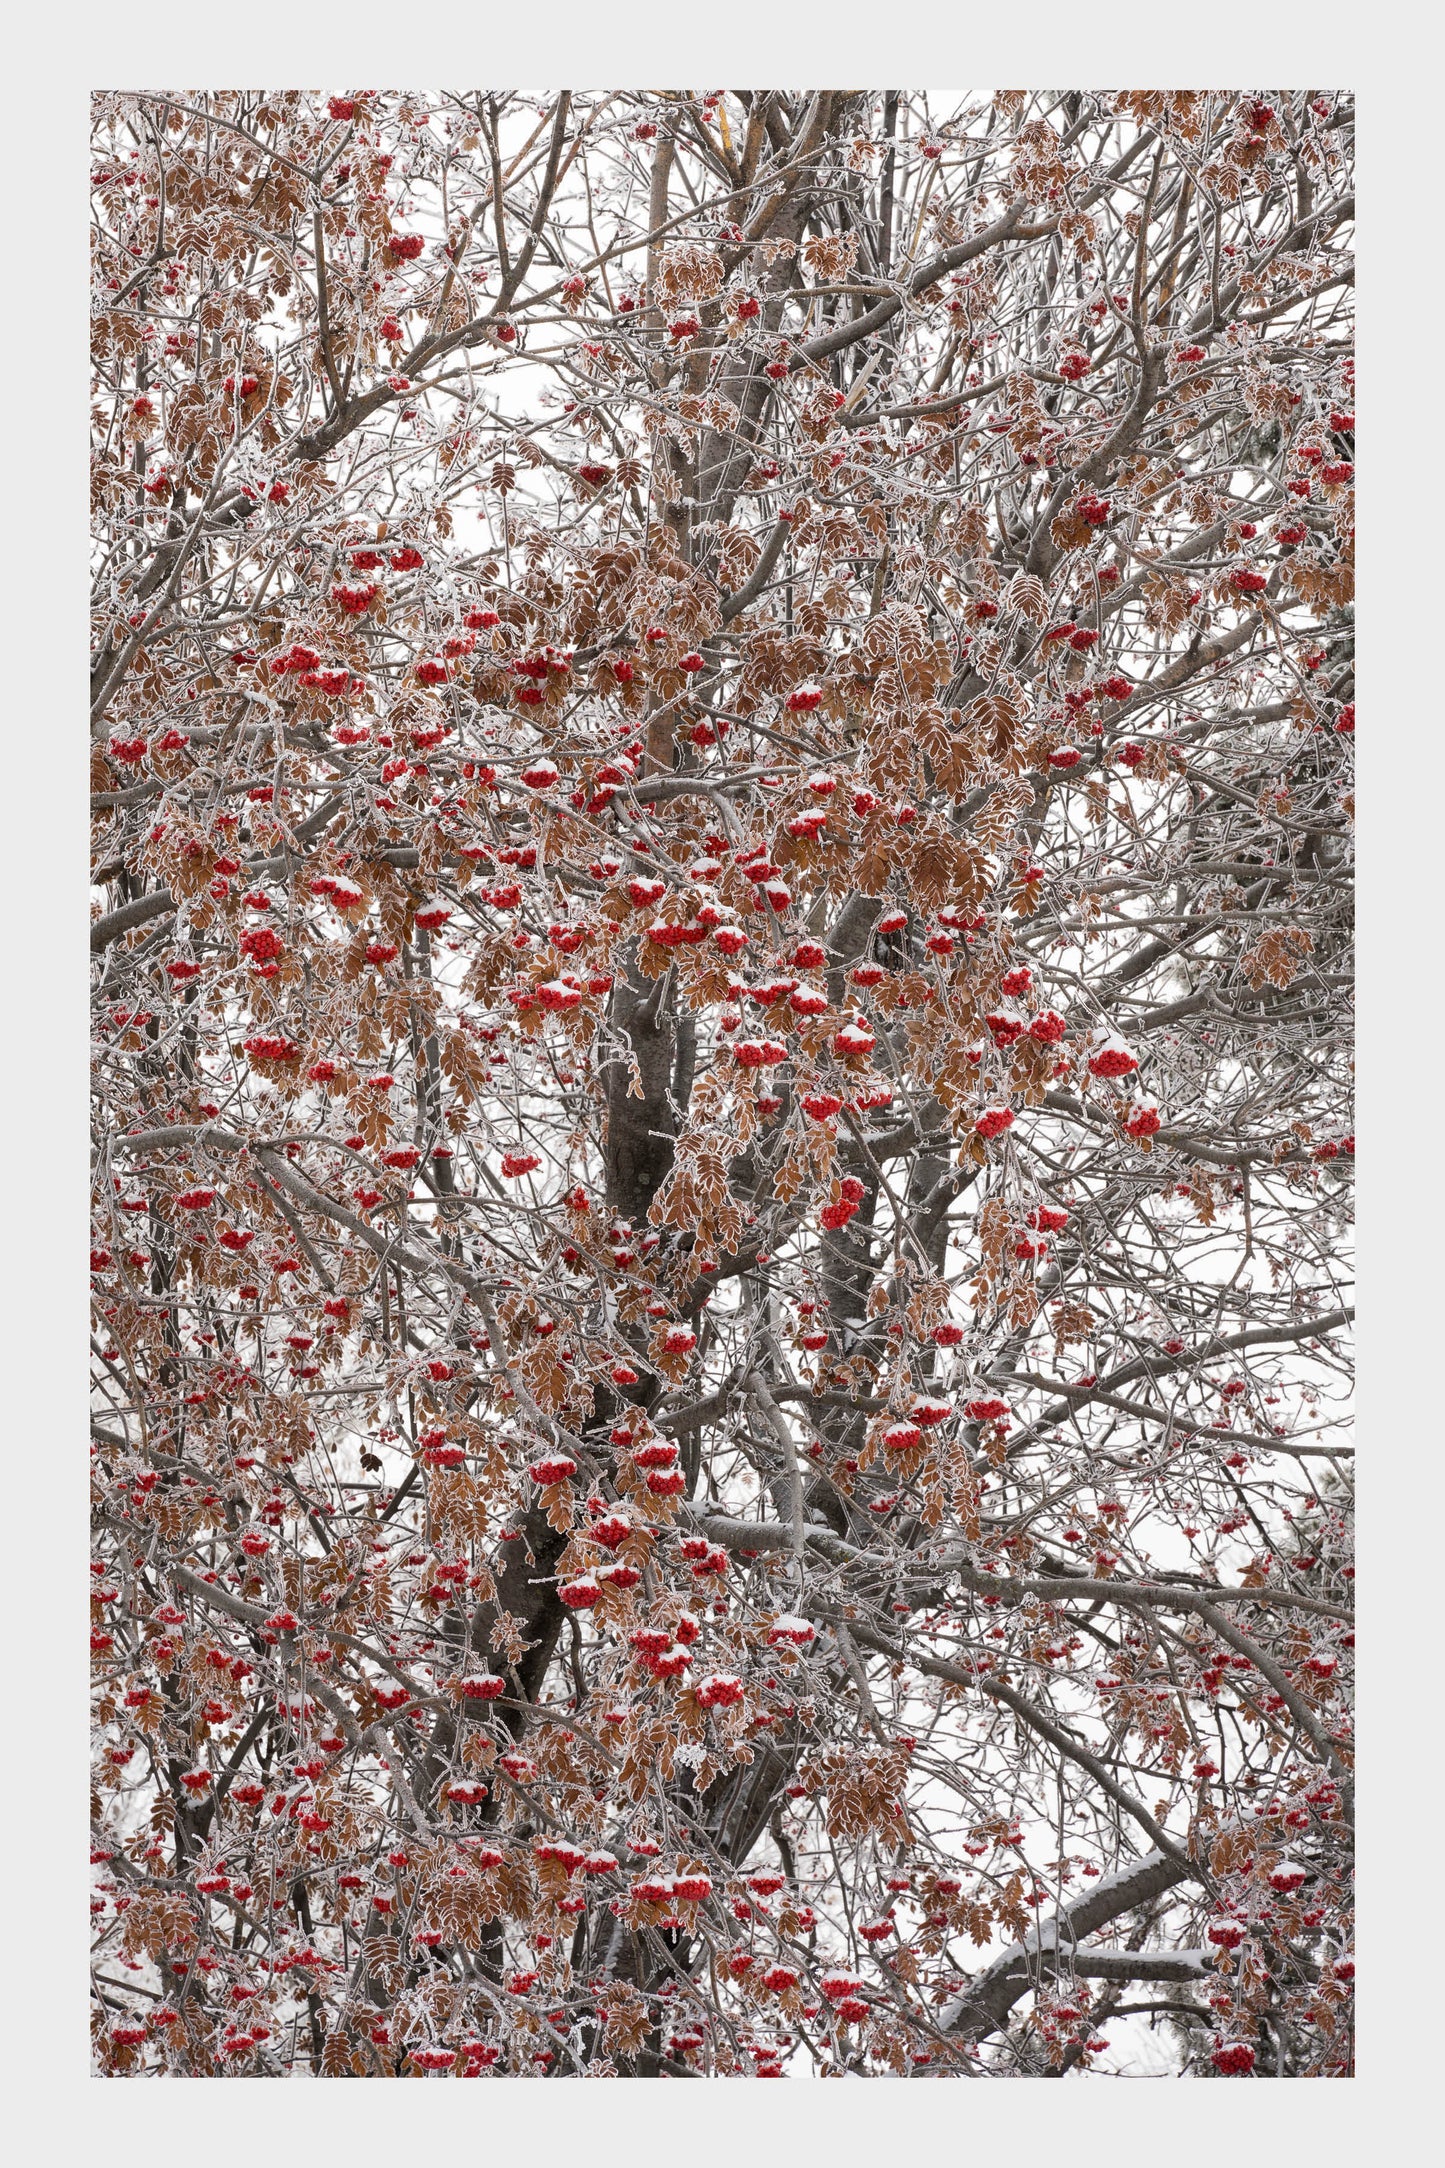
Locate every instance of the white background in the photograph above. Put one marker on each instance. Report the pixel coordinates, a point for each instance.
(54, 58)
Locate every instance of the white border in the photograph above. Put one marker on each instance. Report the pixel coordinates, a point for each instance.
(53, 62)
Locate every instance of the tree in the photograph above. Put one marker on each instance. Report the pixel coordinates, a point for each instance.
(721, 785)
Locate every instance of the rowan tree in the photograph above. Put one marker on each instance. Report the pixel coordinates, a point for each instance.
(722, 736)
